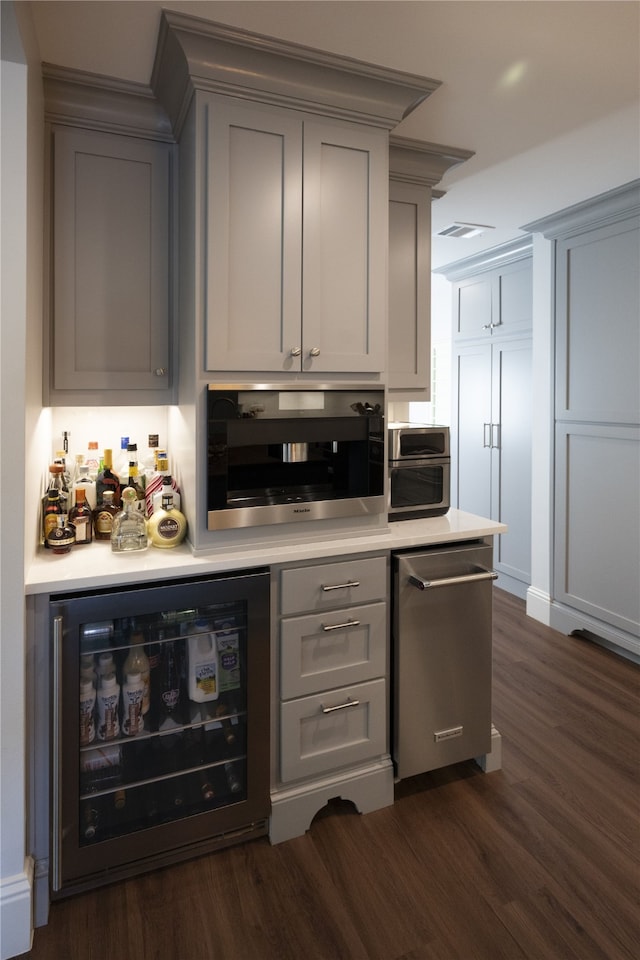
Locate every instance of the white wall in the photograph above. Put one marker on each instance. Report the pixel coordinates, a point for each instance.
(20, 332)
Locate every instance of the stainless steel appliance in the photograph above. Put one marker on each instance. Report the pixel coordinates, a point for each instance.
(441, 636)
(419, 470)
(195, 776)
(288, 453)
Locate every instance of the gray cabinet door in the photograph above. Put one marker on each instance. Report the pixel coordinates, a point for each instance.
(409, 290)
(111, 265)
(296, 229)
(492, 446)
(495, 303)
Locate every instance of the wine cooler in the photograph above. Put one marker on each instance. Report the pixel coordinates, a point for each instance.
(160, 725)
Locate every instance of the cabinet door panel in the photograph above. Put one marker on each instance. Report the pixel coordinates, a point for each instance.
(472, 307)
(597, 334)
(409, 288)
(472, 441)
(254, 233)
(344, 242)
(111, 262)
(332, 730)
(597, 522)
(511, 466)
(513, 298)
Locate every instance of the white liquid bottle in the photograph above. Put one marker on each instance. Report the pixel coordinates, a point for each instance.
(108, 698)
(105, 665)
(84, 480)
(202, 663)
(138, 662)
(87, 707)
(132, 697)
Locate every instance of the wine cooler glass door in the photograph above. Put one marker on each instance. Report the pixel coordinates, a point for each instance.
(164, 749)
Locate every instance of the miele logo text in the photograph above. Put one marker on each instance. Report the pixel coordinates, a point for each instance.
(302, 509)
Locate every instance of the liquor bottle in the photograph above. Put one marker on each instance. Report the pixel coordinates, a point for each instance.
(233, 780)
(148, 466)
(91, 459)
(167, 526)
(122, 463)
(51, 510)
(169, 712)
(132, 698)
(207, 790)
(81, 518)
(167, 486)
(154, 482)
(133, 483)
(62, 537)
(103, 516)
(107, 480)
(138, 661)
(83, 481)
(108, 699)
(129, 531)
(90, 819)
(87, 708)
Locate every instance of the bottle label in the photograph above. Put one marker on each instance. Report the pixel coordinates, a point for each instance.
(82, 528)
(104, 522)
(168, 528)
(170, 698)
(205, 674)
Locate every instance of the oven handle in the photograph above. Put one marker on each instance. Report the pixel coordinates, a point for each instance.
(452, 581)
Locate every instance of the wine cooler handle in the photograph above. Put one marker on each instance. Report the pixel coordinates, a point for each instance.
(340, 586)
(340, 706)
(340, 626)
(57, 746)
(452, 581)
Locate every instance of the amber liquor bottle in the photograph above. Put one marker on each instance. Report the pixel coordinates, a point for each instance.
(107, 480)
(81, 519)
(103, 516)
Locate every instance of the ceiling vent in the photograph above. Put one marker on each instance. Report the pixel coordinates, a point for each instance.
(464, 230)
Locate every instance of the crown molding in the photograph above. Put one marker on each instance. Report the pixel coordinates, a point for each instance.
(78, 98)
(423, 163)
(617, 204)
(195, 54)
(486, 260)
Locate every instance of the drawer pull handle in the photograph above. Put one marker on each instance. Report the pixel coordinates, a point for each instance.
(340, 586)
(340, 626)
(340, 706)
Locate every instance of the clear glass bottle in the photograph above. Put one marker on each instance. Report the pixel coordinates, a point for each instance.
(81, 518)
(122, 464)
(92, 459)
(103, 516)
(168, 526)
(88, 485)
(129, 531)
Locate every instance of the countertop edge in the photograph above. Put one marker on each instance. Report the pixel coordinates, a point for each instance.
(52, 574)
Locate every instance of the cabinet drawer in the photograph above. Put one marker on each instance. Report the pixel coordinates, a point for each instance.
(333, 585)
(332, 730)
(332, 649)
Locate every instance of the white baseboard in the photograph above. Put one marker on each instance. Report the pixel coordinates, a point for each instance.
(567, 620)
(539, 605)
(16, 927)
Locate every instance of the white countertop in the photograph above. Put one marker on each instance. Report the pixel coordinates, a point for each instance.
(97, 566)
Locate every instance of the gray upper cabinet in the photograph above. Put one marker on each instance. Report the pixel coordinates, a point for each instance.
(296, 220)
(110, 326)
(497, 302)
(415, 167)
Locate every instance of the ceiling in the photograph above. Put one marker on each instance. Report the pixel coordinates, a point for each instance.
(546, 92)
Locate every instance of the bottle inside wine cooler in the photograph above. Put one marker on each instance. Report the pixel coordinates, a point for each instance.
(169, 705)
(108, 698)
(137, 660)
(87, 711)
(132, 698)
(202, 668)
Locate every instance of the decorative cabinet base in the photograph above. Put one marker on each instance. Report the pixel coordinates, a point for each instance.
(369, 788)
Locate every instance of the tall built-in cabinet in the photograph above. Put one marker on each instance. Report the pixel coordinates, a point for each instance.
(493, 399)
(596, 529)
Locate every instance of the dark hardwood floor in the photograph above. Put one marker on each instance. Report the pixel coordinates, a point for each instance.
(538, 860)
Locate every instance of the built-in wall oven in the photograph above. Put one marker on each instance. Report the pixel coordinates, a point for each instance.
(419, 463)
(288, 453)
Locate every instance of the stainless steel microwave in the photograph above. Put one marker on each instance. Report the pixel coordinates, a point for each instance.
(280, 454)
(419, 465)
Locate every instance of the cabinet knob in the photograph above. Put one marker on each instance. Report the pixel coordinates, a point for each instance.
(295, 351)
(160, 371)
(314, 352)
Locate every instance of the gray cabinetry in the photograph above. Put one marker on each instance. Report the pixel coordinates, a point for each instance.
(296, 216)
(110, 338)
(597, 416)
(332, 667)
(492, 400)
